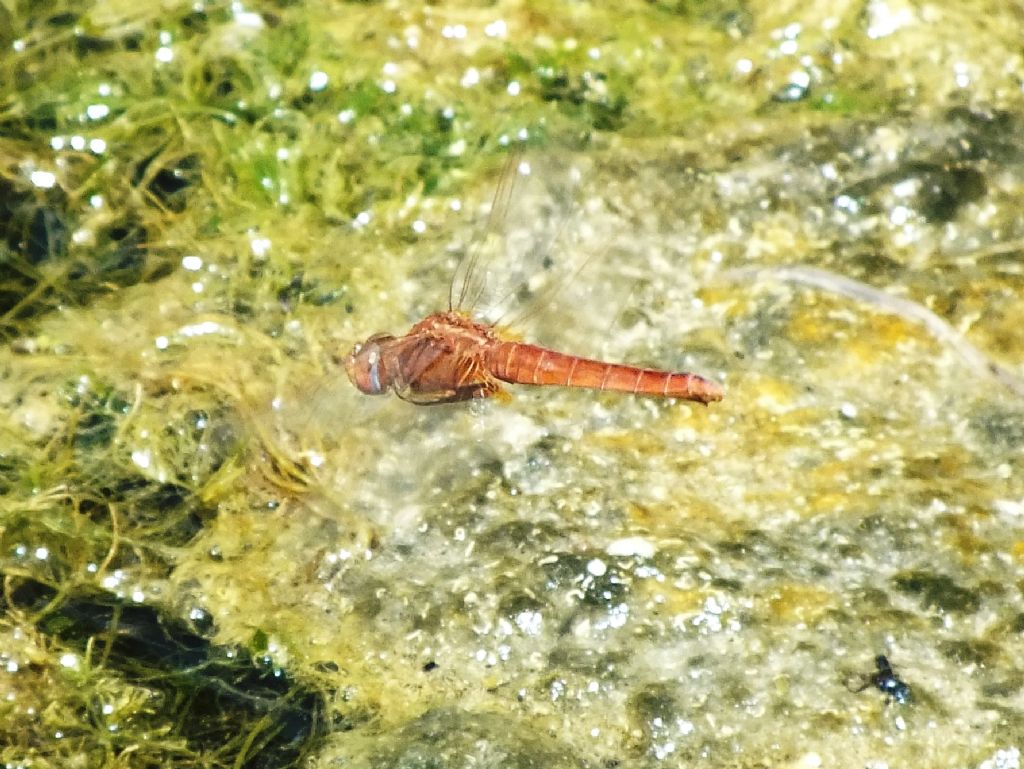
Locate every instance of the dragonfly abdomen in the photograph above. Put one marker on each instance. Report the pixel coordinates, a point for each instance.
(520, 363)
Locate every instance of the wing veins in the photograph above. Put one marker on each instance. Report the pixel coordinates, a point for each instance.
(468, 275)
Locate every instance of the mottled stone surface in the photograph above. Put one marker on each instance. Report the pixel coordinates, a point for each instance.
(818, 206)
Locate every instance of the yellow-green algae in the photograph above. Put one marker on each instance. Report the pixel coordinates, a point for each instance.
(214, 556)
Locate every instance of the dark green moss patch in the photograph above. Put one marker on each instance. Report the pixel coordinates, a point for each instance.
(940, 189)
(225, 710)
(973, 652)
(938, 591)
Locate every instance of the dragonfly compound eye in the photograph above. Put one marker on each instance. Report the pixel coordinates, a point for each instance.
(364, 370)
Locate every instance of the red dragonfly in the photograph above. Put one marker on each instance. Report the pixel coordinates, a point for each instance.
(449, 357)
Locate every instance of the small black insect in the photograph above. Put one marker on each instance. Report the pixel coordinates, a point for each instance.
(886, 681)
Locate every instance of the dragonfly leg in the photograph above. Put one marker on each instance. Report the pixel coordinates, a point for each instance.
(486, 389)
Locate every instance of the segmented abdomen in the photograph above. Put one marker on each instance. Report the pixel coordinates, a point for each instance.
(521, 363)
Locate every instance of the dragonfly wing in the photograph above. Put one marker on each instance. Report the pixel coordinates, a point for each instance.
(526, 253)
(469, 283)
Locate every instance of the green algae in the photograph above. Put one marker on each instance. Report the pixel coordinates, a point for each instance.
(133, 674)
(209, 547)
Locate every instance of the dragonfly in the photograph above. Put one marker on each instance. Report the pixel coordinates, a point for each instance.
(450, 356)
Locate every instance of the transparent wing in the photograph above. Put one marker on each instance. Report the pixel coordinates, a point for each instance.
(470, 279)
(526, 257)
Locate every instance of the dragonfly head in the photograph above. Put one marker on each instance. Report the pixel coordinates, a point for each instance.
(363, 366)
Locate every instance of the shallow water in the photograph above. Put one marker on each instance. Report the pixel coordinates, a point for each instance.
(198, 509)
